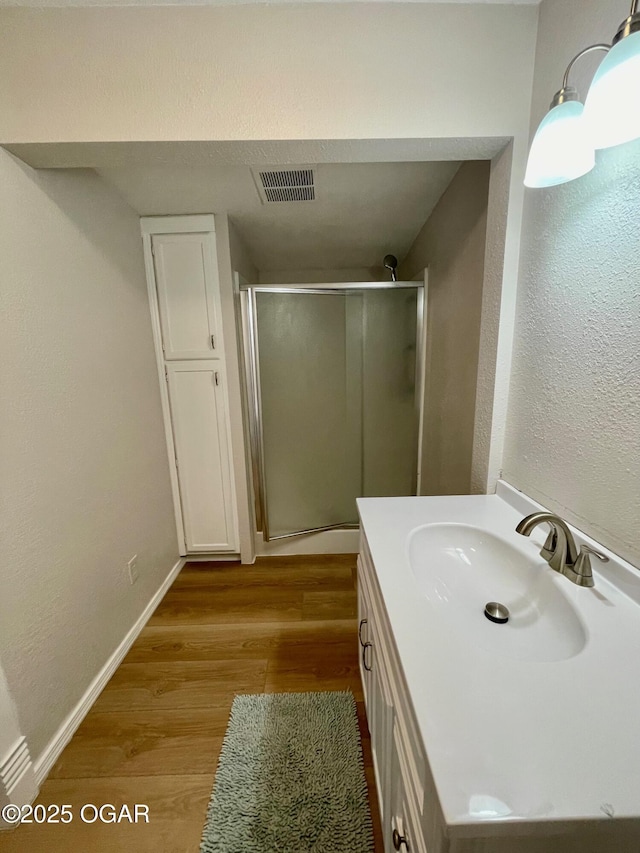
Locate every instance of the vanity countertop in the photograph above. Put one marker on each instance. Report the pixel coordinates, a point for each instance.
(509, 740)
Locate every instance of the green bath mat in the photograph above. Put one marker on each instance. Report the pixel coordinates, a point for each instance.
(290, 778)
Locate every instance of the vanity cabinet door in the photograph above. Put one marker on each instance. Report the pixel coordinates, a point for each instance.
(365, 645)
(377, 691)
(402, 831)
(382, 714)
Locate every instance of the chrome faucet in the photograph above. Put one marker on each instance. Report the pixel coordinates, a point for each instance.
(560, 549)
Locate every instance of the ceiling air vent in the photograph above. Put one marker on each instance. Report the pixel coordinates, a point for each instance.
(290, 185)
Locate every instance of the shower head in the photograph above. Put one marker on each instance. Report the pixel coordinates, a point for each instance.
(391, 263)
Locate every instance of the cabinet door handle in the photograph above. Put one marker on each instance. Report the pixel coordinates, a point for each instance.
(399, 840)
(216, 376)
(362, 622)
(213, 341)
(366, 646)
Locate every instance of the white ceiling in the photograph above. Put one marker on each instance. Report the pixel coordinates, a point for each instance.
(362, 211)
(235, 2)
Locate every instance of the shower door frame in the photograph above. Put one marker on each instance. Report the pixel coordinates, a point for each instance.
(251, 359)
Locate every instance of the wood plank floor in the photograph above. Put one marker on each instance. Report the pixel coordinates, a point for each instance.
(154, 735)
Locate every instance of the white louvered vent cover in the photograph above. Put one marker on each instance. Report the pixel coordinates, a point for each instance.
(290, 185)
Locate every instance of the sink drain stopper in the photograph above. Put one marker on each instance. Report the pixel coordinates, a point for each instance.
(496, 612)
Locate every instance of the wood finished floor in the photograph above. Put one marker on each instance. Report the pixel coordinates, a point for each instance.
(154, 735)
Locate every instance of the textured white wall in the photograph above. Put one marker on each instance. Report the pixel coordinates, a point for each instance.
(573, 431)
(357, 73)
(231, 257)
(502, 254)
(223, 2)
(452, 245)
(317, 71)
(9, 729)
(241, 260)
(85, 481)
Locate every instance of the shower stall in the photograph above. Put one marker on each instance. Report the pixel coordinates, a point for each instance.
(335, 389)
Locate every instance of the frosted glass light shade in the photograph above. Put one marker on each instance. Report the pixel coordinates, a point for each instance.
(561, 149)
(612, 108)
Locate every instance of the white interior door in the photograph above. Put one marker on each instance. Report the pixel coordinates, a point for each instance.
(187, 283)
(200, 430)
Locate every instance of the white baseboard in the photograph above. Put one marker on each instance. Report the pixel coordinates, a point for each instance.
(233, 557)
(52, 751)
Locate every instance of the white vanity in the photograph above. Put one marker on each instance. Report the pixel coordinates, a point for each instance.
(522, 737)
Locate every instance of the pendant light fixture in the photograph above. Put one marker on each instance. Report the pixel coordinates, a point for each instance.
(612, 108)
(562, 148)
(564, 145)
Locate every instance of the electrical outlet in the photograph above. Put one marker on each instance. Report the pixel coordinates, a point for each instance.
(132, 565)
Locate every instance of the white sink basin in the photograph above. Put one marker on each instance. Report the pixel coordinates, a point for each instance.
(529, 727)
(460, 568)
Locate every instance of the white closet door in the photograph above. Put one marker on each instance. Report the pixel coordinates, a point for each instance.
(187, 284)
(198, 413)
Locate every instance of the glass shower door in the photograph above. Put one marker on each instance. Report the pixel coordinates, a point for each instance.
(309, 471)
(334, 375)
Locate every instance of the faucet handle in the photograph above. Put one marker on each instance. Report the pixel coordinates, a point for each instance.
(580, 573)
(551, 544)
(586, 551)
